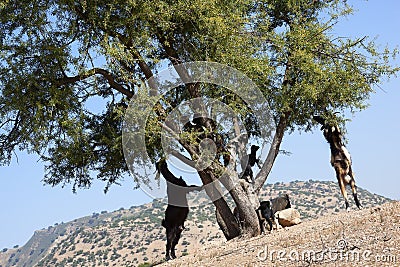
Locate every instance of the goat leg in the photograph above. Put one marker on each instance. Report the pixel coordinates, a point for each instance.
(353, 188)
(170, 238)
(175, 241)
(167, 249)
(276, 220)
(270, 224)
(341, 176)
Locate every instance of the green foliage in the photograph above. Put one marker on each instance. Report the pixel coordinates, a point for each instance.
(59, 57)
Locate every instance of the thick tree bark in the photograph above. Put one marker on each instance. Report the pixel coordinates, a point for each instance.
(246, 208)
(245, 200)
(230, 228)
(228, 231)
(247, 212)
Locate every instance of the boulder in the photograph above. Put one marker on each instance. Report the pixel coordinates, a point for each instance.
(288, 217)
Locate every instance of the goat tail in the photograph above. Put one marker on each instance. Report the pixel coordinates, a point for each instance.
(163, 223)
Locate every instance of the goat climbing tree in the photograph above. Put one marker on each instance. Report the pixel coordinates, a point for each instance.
(60, 60)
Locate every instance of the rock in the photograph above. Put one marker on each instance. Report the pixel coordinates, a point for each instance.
(288, 217)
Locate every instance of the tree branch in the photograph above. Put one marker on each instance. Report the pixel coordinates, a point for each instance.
(183, 158)
(173, 56)
(272, 153)
(127, 43)
(106, 74)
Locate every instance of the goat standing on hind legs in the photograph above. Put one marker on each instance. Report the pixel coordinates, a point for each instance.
(249, 161)
(340, 159)
(177, 209)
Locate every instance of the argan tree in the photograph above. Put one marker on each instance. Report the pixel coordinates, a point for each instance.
(69, 68)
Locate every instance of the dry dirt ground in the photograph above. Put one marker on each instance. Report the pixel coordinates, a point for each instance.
(367, 237)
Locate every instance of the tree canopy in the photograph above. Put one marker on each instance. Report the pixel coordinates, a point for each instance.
(61, 59)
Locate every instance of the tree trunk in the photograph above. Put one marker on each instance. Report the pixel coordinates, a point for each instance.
(245, 200)
(247, 212)
(227, 229)
(244, 194)
(225, 218)
(227, 221)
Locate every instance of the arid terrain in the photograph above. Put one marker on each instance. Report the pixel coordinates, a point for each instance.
(369, 237)
(134, 236)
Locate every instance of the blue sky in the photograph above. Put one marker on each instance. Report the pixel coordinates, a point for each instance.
(27, 205)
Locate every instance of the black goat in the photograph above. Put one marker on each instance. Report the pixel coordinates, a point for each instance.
(266, 211)
(247, 162)
(340, 159)
(205, 128)
(177, 209)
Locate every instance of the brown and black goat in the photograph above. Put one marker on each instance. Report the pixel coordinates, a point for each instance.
(340, 159)
(177, 209)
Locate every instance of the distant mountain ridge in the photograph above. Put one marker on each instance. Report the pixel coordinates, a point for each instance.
(134, 236)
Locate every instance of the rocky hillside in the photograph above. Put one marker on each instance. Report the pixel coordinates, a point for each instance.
(134, 236)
